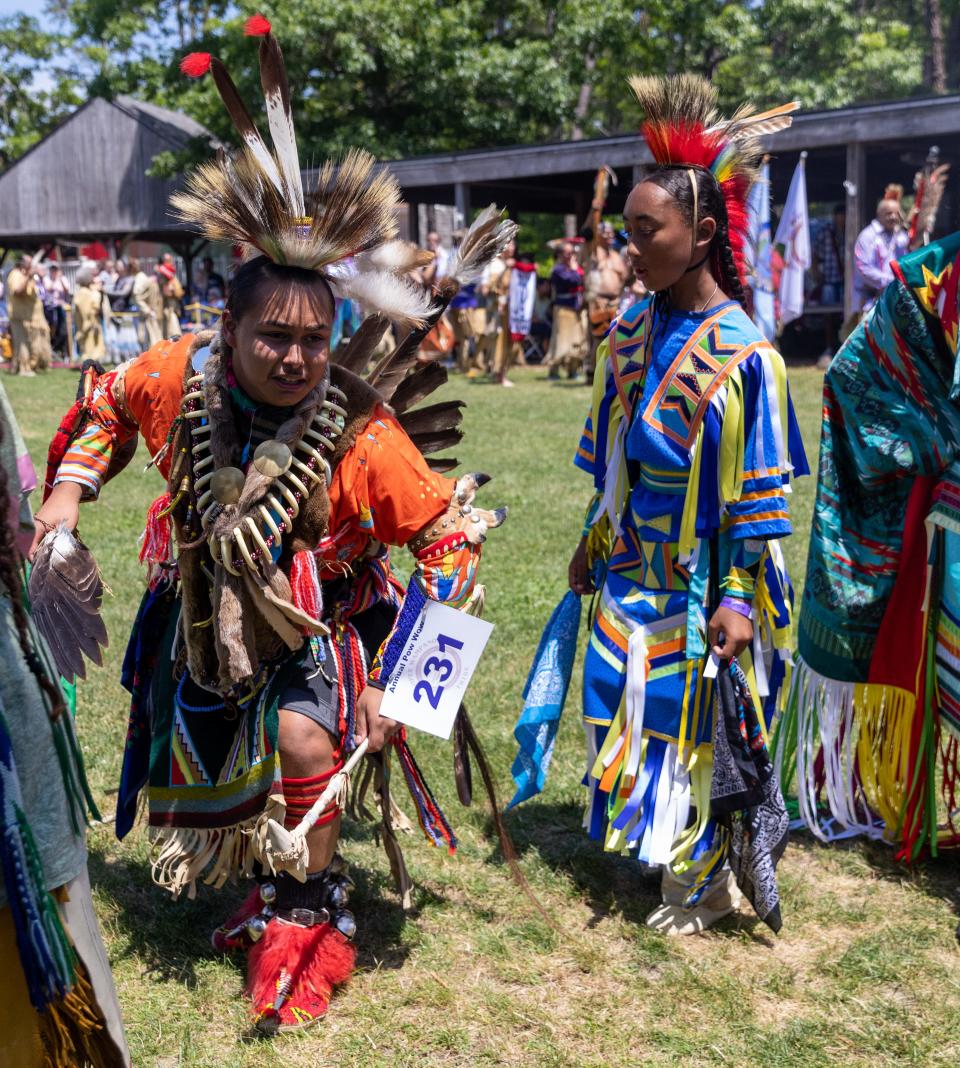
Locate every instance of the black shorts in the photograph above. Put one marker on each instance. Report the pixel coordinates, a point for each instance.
(313, 690)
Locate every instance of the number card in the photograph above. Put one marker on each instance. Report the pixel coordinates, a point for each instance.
(434, 668)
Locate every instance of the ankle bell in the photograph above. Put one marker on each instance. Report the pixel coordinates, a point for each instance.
(345, 922)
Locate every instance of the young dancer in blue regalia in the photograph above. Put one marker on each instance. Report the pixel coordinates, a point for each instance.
(691, 442)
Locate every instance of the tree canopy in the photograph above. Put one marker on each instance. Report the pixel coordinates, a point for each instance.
(408, 77)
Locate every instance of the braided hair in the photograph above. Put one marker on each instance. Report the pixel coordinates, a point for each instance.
(674, 179)
(11, 584)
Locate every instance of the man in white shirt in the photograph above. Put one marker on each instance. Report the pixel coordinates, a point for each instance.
(879, 244)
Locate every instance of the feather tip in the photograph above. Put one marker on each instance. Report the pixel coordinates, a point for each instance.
(256, 26)
(195, 64)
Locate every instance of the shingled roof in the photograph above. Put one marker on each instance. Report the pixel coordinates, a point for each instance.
(87, 178)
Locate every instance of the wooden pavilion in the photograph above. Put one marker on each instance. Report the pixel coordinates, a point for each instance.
(853, 152)
(87, 180)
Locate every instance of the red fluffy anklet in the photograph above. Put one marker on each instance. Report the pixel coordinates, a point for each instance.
(292, 971)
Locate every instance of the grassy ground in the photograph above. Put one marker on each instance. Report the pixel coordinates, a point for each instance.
(865, 971)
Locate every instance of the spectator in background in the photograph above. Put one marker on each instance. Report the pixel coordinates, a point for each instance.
(122, 340)
(433, 272)
(30, 335)
(88, 315)
(492, 302)
(56, 300)
(171, 292)
(828, 262)
(106, 274)
(568, 340)
(540, 325)
(120, 290)
(502, 349)
(607, 274)
(209, 285)
(147, 303)
(880, 243)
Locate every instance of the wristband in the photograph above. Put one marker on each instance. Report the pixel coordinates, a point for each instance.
(735, 604)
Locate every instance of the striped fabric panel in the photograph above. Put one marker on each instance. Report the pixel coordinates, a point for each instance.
(761, 511)
(87, 460)
(948, 668)
(586, 450)
(672, 482)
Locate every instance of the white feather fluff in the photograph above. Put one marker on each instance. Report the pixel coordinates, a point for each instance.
(399, 299)
(400, 257)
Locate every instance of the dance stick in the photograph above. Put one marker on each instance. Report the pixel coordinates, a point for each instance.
(283, 850)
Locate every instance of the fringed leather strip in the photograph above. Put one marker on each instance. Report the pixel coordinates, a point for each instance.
(182, 855)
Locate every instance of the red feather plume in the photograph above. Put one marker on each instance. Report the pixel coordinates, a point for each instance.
(256, 26)
(683, 129)
(681, 142)
(196, 64)
(735, 191)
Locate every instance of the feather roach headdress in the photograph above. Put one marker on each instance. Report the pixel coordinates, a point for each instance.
(343, 228)
(683, 129)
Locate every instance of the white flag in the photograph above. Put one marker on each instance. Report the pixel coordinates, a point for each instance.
(758, 254)
(793, 236)
(523, 295)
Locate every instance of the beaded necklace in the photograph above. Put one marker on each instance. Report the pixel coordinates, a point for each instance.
(309, 463)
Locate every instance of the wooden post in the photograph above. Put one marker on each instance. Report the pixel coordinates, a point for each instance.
(461, 199)
(71, 340)
(190, 250)
(407, 222)
(856, 198)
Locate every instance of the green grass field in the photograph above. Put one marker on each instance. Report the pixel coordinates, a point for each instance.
(866, 970)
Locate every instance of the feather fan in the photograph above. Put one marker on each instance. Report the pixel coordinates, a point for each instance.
(436, 441)
(396, 365)
(66, 593)
(358, 351)
(425, 380)
(447, 416)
